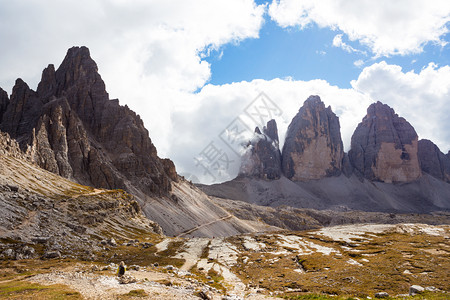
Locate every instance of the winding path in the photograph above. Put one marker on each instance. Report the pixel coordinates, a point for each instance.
(203, 225)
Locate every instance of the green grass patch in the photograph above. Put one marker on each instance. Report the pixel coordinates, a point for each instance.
(27, 290)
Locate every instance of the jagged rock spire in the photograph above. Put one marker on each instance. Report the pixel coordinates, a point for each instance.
(263, 157)
(78, 133)
(313, 146)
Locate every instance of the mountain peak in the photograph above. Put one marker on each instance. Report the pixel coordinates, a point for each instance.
(78, 133)
(313, 147)
(384, 146)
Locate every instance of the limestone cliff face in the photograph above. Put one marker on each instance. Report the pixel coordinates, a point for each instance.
(4, 101)
(263, 157)
(313, 147)
(384, 146)
(77, 132)
(433, 161)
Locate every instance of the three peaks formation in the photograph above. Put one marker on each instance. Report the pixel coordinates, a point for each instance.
(70, 127)
(384, 148)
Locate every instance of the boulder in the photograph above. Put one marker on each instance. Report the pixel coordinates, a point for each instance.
(52, 254)
(415, 289)
(381, 295)
(313, 147)
(126, 279)
(384, 147)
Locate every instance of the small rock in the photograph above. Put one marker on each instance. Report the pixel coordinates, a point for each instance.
(126, 279)
(432, 289)
(52, 254)
(13, 188)
(134, 267)
(381, 295)
(204, 295)
(28, 251)
(169, 267)
(9, 253)
(415, 289)
(112, 242)
(147, 245)
(155, 264)
(40, 240)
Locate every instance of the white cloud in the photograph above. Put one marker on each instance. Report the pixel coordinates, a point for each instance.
(358, 63)
(148, 52)
(338, 42)
(422, 98)
(218, 106)
(387, 27)
(150, 55)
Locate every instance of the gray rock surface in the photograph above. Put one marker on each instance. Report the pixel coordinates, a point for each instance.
(381, 295)
(75, 130)
(4, 101)
(384, 147)
(313, 146)
(263, 157)
(416, 289)
(424, 195)
(433, 161)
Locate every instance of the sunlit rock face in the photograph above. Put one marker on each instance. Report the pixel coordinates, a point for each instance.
(384, 146)
(313, 147)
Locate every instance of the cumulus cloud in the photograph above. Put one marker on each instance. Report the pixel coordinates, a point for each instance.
(421, 97)
(149, 52)
(151, 56)
(200, 127)
(386, 27)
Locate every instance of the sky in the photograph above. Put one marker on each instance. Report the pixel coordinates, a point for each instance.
(203, 73)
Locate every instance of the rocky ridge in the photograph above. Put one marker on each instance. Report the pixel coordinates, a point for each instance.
(72, 129)
(386, 169)
(384, 148)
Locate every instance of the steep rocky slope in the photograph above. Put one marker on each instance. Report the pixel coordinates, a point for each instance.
(313, 146)
(64, 218)
(424, 195)
(70, 127)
